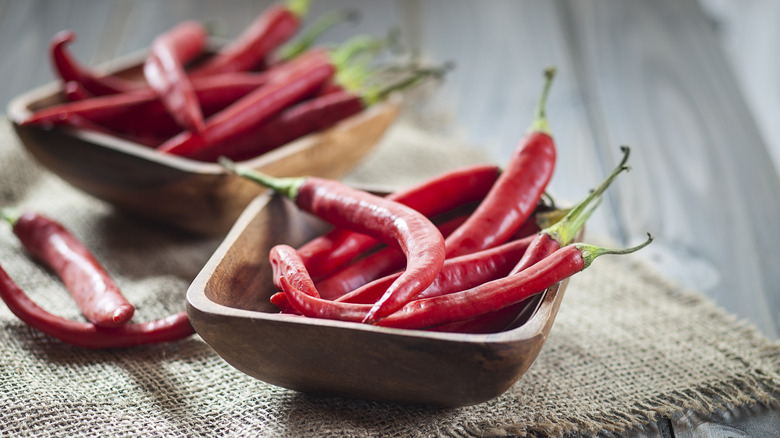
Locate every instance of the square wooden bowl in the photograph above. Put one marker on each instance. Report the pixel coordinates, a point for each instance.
(187, 194)
(228, 304)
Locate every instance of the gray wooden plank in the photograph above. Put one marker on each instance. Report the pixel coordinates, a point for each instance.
(655, 77)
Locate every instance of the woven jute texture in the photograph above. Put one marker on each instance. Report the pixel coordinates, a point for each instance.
(627, 347)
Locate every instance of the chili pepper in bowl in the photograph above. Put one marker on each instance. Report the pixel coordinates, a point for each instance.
(96, 294)
(377, 264)
(517, 191)
(326, 254)
(459, 306)
(68, 69)
(164, 72)
(311, 115)
(265, 33)
(89, 335)
(562, 232)
(387, 221)
(256, 107)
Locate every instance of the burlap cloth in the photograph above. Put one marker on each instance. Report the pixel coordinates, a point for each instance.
(627, 347)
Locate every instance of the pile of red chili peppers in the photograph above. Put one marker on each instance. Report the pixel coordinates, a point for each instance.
(460, 252)
(107, 311)
(260, 91)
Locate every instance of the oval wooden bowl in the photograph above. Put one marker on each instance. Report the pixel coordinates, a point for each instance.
(228, 304)
(187, 194)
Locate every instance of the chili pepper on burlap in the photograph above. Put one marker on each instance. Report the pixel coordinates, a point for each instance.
(88, 335)
(96, 294)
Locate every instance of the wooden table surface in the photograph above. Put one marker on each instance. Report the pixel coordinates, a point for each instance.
(659, 76)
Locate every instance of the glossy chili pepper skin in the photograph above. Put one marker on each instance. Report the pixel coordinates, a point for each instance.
(164, 72)
(286, 262)
(68, 69)
(96, 294)
(328, 253)
(457, 273)
(388, 221)
(312, 115)
(460, 306)
(88, 335)
(373, 266)
(512, 198)
(255, 108)
(267, 32)
(516, 193)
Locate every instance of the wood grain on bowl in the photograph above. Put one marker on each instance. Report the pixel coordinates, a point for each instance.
(229, 307)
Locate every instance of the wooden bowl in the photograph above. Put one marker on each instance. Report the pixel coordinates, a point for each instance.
(228, 304)
(191, 195)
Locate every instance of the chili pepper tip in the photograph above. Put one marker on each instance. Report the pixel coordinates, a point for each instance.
(591, 252)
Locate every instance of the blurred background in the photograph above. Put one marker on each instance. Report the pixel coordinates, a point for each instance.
(746, 30)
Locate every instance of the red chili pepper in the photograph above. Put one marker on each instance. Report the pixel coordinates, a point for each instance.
(70, 70)
(96, 294)
(517, 191)
(139, 114)
(88, 335)
(256, 107)
(164, 72)
(387, 221)
(331, 251)
(373, 266)
(268, 31)
(562, 232)
(286, 262)
(312, 115)
(457, 273)
(459, 306)
(74, 91)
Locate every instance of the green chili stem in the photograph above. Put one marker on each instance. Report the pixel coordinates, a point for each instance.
(9, 215)
(287, 187)
(564, 230)
(591, 252)
(314, 32)
(540, 123)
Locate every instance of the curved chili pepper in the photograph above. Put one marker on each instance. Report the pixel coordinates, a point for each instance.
(487, 297)
(164, 72)
(88, 335)
(516, 192)
(69, 69)
(457, 273)
(256, 107)
(286, 262)
(268, 31)
(562, 232)
(96, 294)
(387, 221)
(373, 266)
(325, 254)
